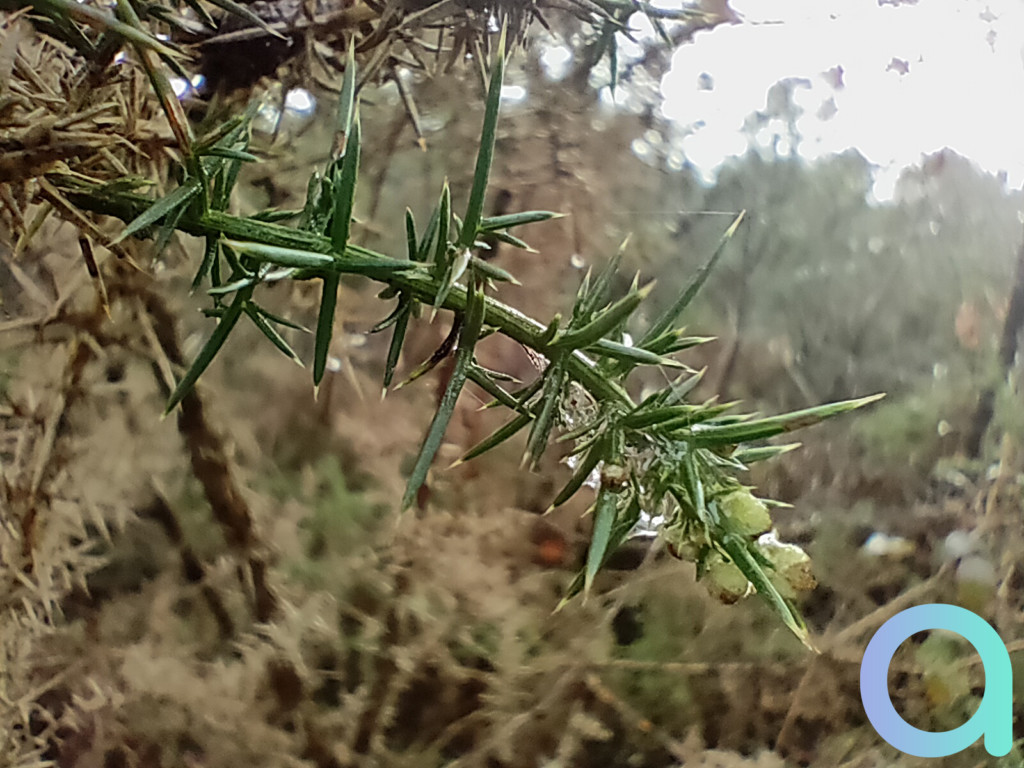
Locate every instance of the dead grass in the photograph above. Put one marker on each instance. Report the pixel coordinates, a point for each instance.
(163, 605)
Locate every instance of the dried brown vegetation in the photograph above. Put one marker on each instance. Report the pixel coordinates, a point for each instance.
(229, 586)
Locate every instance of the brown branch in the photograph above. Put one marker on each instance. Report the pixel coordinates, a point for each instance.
(1007, 354)
(209, 459)
(191, 568)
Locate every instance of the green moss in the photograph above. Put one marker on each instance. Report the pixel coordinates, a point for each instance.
(669, 630)
(340, 520)
(915, 430)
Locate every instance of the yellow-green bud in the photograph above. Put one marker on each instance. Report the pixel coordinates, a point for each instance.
(725, 581)
(685, 542)
(791, 564)
(749, 516)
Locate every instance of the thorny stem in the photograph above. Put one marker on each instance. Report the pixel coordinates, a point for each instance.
(507, 320)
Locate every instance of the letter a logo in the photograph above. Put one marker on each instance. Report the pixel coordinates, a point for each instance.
(994, 718)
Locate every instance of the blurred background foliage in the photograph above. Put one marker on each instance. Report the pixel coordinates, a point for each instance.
(429, 640)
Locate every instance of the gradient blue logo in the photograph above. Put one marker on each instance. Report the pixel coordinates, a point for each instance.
(994, 718)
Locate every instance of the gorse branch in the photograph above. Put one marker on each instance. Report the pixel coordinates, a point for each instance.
(664, 465)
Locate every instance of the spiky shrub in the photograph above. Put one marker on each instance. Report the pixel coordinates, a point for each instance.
(665, 464)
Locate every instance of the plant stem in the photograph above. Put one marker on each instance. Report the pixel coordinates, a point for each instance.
(507, 320)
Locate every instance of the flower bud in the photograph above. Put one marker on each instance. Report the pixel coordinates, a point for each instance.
(748, 515)
(685, 542)
(725, 581)
(791, 564)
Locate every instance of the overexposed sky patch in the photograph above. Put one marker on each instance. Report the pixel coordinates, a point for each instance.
(915, 78)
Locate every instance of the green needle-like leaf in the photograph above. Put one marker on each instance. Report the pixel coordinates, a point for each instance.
(674, 341)
(201, 13)
(737, 549)
(644, 418)
(679, 426)
(391, 319)
(550, 332)
(443, 351)
(463, 361)
(210, 252)
(587, 464)
(525, 394)
(604, 323)
(554, 383)
(488, 270)
(325, 326)
(632, 355)
(341, 183)
(499, 436)
(427, 242)
(345, 189)
(748, 456)
(294, 257)
(514, 241)
(592, 297)
(579, 433)
(412, 249)
(246, 13)
(695, 490)
(174, 201)
(230, 154)
(315, 211)
(480, 377)
(604, 519)
(397, 340)
(283, 321)
(485, 155)
(453, 271)
(509, 220)
(732, 434)
(680, 389)
(623, 526)
(210, 349)
(347, 100)
(443, 259)
(236, 285)
(168, 228)
(101, 20)
(230, 177)
(256, 315)
(672, 314)
(226, 133)
(154, 68)
(444, 218)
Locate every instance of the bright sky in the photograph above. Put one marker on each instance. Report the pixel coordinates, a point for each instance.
(963, 88)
